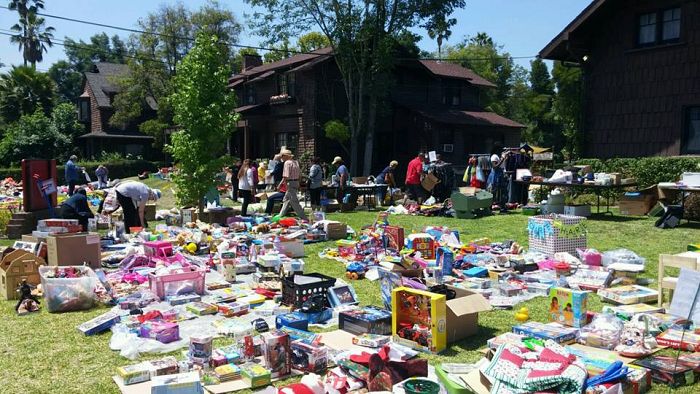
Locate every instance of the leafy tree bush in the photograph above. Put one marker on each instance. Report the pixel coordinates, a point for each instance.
(203, 108)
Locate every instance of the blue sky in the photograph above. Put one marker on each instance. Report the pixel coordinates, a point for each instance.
(523, 27)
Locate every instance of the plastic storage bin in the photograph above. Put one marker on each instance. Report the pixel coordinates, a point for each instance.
(188, 280)
(68, 294)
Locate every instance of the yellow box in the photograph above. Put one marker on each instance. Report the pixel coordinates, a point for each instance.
(419, 319)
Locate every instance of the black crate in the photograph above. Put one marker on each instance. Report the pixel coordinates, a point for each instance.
(295, 294)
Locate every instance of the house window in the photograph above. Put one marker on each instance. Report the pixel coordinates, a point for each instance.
(288, 140)
(671, 27)
(659, 27)
(692, 131)
(84, 110)
(452, 96)
(292, 84)
(647, 29)
(282, 84)
(249, 94)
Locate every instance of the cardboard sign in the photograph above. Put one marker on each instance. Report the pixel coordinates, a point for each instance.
(47, 186)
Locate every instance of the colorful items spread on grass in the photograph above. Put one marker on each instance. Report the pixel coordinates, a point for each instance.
(178, 288)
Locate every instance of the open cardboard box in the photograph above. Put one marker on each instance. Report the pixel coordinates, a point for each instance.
(463, 314)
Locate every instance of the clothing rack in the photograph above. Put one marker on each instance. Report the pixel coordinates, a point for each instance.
(479, 154)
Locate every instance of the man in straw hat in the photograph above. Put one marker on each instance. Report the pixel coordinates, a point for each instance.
(291, 174)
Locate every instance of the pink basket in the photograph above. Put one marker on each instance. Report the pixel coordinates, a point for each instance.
(188, 280)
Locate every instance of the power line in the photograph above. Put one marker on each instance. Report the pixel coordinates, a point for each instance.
(57, 41)
(137, 31)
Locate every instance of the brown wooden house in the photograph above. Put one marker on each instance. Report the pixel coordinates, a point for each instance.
(95, 109)
(641, 66)
(434, 106)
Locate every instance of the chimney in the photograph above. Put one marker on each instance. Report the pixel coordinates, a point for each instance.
(250, 61)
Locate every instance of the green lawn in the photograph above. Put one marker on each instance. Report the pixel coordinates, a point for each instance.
(45, 353)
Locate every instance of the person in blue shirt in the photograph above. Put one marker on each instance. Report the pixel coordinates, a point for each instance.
(72, 174)
(341, 177)
(76, 207)
(386, 177)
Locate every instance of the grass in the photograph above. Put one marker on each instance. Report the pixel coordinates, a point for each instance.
(45, 353)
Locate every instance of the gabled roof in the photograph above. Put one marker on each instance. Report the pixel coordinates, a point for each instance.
(293, 61)
(461, 116)
(559, 48)
(452, 70)
(103, 82)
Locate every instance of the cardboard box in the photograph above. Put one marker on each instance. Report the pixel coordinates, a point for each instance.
(395, 237)
(188, 215)
(188, 382)
(568, 306)
(638, 203)
(336, 230)
(150, 213)
(419, 319)
(277, 353)
(554, 331)
(463, 313)
(429, 182)
(74, 249)
(365, 320)
(627, 295)
(677, 339)
(664, 369)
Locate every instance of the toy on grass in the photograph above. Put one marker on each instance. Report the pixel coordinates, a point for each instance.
(522, 315)
(355, 271)
(316, 303)
(25, 293)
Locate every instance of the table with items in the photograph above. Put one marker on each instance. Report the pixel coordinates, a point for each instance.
(597, 189)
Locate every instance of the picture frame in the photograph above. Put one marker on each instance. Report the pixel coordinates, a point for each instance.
(342, 294)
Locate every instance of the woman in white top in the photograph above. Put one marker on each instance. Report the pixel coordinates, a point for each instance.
(246, 180)
(132, 197)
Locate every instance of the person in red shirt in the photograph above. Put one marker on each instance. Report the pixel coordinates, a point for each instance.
(413, 178)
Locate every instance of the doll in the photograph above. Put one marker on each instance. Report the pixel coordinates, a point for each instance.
(25, 293)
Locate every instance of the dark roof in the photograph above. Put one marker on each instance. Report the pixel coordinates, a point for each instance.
(470, 117)
(292, 61)
(560, 47)
(452, 70)
(247, 108)
(103, 80)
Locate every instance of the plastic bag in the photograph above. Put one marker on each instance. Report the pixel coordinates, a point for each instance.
(603, 332)
(621, 256)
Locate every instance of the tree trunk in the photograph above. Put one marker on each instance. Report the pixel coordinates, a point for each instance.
(369, 134)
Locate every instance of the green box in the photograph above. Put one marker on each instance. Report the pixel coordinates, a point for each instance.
(256, 375)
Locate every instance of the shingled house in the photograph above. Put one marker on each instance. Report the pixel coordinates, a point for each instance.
(434, 106)
(641, 66)
(95, 109)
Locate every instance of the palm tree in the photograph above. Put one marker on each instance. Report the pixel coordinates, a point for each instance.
(23, 90)
(482, 39)
(32, 37)
(440, 30)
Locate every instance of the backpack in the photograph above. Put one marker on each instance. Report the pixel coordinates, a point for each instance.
(671, 218)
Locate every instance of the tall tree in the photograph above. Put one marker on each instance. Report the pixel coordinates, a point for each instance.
(312, 41)
(279, 51)
(23, 91)
(31, 36)
(158, 54)
(568, 105)
(203, 108)
(81, 55)
(439, 29)
(488, 59)
(362, 34)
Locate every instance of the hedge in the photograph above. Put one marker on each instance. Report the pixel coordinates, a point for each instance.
(648, 171)
(117, 170)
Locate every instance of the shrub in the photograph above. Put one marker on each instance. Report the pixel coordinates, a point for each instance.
(648, 171)
(117, 169)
